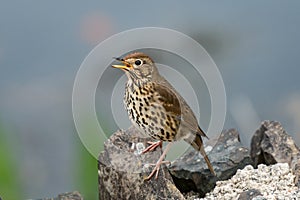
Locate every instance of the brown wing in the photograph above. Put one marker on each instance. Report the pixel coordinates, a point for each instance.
(174, 102)
(169, 99)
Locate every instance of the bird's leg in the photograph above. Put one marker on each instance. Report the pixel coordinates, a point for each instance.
(158, 163)
(153, 145)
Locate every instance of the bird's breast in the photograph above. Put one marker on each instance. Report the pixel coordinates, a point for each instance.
(147, 113)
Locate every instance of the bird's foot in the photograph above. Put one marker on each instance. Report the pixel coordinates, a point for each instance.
(158, 163)
(153, 145)
(156, 169)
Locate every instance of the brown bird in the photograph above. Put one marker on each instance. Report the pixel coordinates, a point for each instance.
(156, 109)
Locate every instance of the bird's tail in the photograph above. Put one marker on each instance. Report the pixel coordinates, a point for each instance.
(198, 145)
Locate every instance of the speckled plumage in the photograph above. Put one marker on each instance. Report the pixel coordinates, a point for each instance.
(155, 107)
(145, 108)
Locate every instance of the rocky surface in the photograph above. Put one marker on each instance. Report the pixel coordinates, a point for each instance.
(268, 182)
(271, 144)
(67, 196)
(249, 194)
(122, 169)
(190, 172)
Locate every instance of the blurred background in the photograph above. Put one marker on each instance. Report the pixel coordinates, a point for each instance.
(255, 45)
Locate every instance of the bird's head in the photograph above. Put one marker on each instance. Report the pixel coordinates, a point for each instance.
(138, 67)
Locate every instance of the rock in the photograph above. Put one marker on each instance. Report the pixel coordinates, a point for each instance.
(271, 144)
(70, 196)
(191, 195)
(273, 182)
(296, 170)
(249, 194)
(122, 169)
(191, 173)
(67, 196)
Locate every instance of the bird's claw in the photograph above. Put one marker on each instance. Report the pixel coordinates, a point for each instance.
(156, 169)
(159, 162)
(153, 145)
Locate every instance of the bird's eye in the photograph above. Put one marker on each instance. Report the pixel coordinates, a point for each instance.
(138, 62)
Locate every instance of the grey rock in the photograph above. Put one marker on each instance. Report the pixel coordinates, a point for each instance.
(296, 171)
(191, 173)
(249, 194)
(191, 195)
(273, 181)
(271, 144)
(121, 170)
(259, 197)
(67, 196)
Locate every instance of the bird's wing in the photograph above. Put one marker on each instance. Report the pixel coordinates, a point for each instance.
(168, 99)
(174, 103)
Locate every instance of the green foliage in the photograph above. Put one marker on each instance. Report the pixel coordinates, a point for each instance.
(86, 170)
(87, 175)
(10, 187)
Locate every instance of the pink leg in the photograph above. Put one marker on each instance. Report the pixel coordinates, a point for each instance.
(158, 163)
(153, 145)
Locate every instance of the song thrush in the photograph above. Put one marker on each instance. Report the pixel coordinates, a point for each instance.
(156, 109)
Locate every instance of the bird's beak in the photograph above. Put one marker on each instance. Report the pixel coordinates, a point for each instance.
(126, 65)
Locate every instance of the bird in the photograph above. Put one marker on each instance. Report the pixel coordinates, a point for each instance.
(157, 110)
